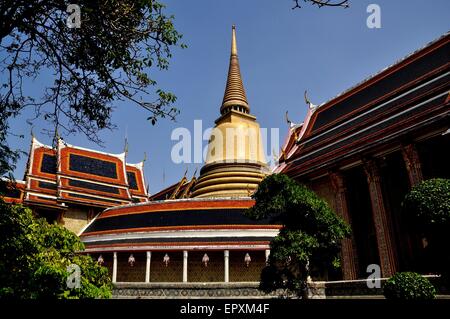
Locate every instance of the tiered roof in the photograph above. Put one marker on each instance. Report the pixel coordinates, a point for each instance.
(40, 177)
(179, 224)
(71, 174)
(384, 107)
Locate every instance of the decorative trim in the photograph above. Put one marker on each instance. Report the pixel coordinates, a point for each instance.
(262, 245)
(119, 164)
(370, 137)
(180, 228)
(187, 233)
(372, 119)
(162, 206)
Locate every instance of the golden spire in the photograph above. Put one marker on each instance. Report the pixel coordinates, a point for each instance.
(234, 91)
(233, 41)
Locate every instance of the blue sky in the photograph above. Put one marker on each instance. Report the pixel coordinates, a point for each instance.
(282, 52)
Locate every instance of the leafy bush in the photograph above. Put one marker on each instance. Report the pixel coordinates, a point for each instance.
(34, 257)
(310, 237)
(409, 286)
(429, 203)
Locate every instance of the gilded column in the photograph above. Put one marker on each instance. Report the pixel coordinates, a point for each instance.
(185, 265)
(381, 220)
(147, 266)
(226, 255)
(412, 163)
(114, 274)
(348, 249)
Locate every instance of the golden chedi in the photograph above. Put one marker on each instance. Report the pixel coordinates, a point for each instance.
(235, 161)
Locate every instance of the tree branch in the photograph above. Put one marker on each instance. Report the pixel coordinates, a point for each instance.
(323, 3)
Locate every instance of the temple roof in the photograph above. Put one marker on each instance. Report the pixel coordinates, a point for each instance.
(178, 190)
(170, 224)
(386, 105)
(136, 181)
(72, 174)
(234, 91)
(169, 192)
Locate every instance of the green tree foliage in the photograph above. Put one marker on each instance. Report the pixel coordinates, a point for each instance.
(107, 59)
(428, 205)
(310, 237)
(35, 257)
(408, 286)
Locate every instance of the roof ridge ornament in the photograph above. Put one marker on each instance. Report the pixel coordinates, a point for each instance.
(307, 101)
(125, 147)
(288, 121)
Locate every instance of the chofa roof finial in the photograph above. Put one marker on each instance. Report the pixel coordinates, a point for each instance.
(306, 97)
(307, 101)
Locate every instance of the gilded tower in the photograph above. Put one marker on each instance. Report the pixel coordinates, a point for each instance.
(235, 162)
